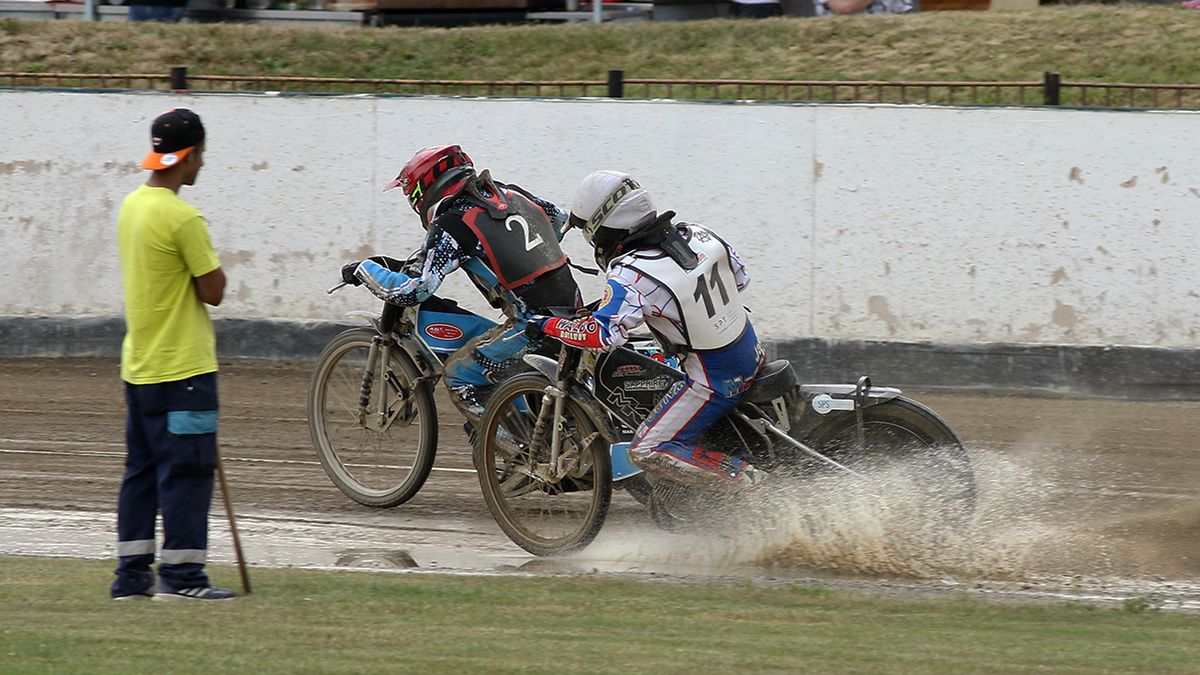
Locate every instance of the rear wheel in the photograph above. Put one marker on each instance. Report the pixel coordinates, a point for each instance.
(675, 508)
(544, 509)
(909, 442)
(638, 487)
(380, 454)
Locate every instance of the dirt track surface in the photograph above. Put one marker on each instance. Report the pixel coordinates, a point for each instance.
(1094, 500)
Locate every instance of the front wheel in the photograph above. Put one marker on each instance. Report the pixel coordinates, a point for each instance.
(374, 429)
(545, 507)
(907, 443)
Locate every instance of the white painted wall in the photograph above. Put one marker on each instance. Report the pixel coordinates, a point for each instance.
(857, 221)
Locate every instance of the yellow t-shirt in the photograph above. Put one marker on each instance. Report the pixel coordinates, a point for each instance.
(164, 243)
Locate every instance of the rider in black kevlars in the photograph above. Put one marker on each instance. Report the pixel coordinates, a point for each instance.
(503, 237)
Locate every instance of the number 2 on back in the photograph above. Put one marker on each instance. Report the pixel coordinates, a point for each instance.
(531, 242)
(702, 291)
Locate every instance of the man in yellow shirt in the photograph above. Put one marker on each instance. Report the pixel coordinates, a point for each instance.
(169, 365)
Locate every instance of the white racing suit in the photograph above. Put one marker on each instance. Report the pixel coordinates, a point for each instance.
(699, 314)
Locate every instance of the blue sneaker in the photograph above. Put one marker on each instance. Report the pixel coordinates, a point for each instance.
(132, 586)
(136, 595)
(195, 593)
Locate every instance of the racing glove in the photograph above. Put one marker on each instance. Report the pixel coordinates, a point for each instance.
(348, 273)
(536, 327)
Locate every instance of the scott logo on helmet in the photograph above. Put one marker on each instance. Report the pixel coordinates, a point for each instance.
(628, 185)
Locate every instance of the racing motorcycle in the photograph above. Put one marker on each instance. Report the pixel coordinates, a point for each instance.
(554, 442)
(372, 415)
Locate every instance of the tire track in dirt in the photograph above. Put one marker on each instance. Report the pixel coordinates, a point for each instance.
(1078, 496)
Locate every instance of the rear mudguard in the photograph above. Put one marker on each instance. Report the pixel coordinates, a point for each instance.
(831, 400)
(825, 398)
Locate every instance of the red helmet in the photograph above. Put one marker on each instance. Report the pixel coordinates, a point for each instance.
(433, 174)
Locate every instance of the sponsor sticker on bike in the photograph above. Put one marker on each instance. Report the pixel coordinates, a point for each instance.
(825, 404)
(443, 331)
(653, 384)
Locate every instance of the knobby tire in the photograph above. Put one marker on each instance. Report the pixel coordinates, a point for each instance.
(379, 468)
(543, 518)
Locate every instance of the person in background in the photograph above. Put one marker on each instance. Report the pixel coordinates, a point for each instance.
(163, 11)
(828, 7)
(754, 9)
(169, 365)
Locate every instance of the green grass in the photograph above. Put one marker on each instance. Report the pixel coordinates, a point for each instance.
(57, 618)
(1104, 43)
(1132, 44)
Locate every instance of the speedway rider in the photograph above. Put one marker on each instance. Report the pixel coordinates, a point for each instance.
(683, 282)
(503, 236)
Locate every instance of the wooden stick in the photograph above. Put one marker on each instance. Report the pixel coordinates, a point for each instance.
(237, 543)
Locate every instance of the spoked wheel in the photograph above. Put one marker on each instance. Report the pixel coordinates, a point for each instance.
(546, 508)
(380, 453)
(674, 508)
(703, 507)
(912, 444)
(638, 487)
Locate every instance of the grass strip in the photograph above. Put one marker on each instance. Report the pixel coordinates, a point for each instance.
(57, 618)
(1091, 42)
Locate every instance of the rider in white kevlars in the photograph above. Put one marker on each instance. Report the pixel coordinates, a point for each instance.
(683, 282)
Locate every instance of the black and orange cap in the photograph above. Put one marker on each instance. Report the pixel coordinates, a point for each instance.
(173, 135)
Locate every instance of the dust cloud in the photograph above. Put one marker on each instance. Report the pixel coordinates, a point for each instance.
(1033, 517)
(885, 524)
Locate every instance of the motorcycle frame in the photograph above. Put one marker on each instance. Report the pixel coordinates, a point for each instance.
(396, 328)
(852, 398)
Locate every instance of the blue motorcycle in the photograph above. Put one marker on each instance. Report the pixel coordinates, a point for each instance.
(371, 409)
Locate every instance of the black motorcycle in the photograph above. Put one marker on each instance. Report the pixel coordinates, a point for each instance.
(554, 442)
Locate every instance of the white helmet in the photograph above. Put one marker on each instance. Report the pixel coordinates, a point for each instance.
(608, 205)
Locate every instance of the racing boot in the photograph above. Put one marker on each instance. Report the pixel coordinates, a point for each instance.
(697, 467)
(467, 401)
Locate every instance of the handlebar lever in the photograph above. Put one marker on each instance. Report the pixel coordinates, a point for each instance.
(336, 288)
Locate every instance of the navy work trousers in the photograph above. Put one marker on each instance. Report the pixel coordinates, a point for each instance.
(171, 457)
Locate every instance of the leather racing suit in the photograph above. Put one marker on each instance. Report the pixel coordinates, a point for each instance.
(698, 315)
(504, 238)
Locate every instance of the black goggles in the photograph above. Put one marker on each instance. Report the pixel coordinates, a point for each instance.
(576, 222)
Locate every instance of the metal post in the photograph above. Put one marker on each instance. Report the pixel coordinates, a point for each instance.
(89, 11)
(597, 11)
(1052, 88)
(616, 84)
(179, 78)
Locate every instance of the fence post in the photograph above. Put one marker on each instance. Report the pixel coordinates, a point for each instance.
(616, 84)
(179, 78)
(1051, 88)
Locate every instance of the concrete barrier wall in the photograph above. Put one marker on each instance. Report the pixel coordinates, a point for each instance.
(955, 226)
